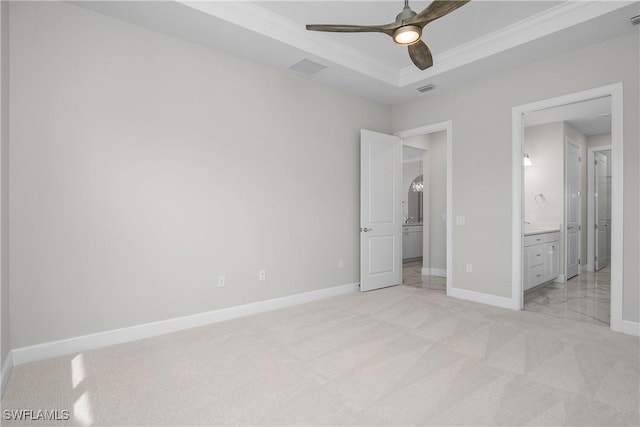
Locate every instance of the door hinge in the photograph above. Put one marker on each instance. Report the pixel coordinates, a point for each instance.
(580, 159)
(595, 226)
(579, 227)
(596, 163)
(579, 261)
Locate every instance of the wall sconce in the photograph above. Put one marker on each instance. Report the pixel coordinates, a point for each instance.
(527, 160)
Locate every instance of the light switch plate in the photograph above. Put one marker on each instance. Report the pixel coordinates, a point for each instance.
(461, 220)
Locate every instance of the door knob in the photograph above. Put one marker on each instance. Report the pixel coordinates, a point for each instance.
(365, 229)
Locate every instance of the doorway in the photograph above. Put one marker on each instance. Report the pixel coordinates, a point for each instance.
(381, 218)
(426, 244)
(424, 212)
(576, 291)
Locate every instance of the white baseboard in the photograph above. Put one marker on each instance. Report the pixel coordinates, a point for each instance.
(438, 272)
(133, 333)
(631, 328)
(494, 300)
(7, 366)
(560, 279)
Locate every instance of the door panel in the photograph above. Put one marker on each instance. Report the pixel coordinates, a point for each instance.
(380, 210)
(601, 214)
(573, 186)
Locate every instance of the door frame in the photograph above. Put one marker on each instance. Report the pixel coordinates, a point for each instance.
(446, 126)
(615, 91)
(591, 151)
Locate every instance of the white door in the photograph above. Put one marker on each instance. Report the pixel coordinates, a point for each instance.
(601, 214)
(573, 178)
(380, 210)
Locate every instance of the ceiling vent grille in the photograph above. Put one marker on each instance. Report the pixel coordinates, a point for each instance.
(635, 20)
(307, 67)
(426, 88)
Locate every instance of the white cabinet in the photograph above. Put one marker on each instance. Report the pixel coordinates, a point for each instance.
(541, 258)
(411, 241)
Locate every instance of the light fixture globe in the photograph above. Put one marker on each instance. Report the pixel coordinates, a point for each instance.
(407, 35)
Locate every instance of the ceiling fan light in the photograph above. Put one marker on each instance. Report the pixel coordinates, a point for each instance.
(409, 34)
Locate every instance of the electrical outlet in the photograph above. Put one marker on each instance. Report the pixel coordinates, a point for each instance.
(221, 281)
(340, 263)
(469, 268)
(262, 275)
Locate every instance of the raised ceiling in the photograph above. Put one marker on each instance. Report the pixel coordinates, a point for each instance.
(480, 38)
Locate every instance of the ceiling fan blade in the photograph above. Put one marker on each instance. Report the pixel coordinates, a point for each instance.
(421, 55)
(437, 9)
(387, 29)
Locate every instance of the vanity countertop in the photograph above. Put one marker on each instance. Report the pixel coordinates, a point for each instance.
(531, 229)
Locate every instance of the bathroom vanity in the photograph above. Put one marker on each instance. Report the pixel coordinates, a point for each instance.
(541, 256)
(411, 241)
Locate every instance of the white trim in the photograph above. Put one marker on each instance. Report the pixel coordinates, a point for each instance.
(272, 25)
(7, 367)
(615, 91)
(446, 126)
(252, 16)
(517, 215)
(493, 300)
(133, 333)
(437, 272)
(630, 328)
(591, 203)
(550, 21)
(617, 206)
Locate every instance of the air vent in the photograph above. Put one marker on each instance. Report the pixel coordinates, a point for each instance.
(426, 88)
(307, 67)
(635, 20)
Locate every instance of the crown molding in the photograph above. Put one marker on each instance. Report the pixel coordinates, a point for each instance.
(253, 17)
(267, 23)
(542, 24)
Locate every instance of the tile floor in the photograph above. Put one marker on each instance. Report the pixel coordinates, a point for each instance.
(586, 297)
(412, 276)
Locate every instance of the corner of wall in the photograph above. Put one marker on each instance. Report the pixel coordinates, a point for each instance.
(5, 342)
(5, 373)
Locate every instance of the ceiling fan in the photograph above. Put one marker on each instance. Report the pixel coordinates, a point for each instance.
(406, 30)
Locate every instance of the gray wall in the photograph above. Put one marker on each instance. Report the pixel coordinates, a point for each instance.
(482, 182)
(5, 343)
(438, 199)
(545, 146)
(143, 166)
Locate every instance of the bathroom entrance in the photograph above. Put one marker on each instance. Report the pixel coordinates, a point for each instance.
(424, 208)
(567, 155)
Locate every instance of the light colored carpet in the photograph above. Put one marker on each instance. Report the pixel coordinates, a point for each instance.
(397, 356)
